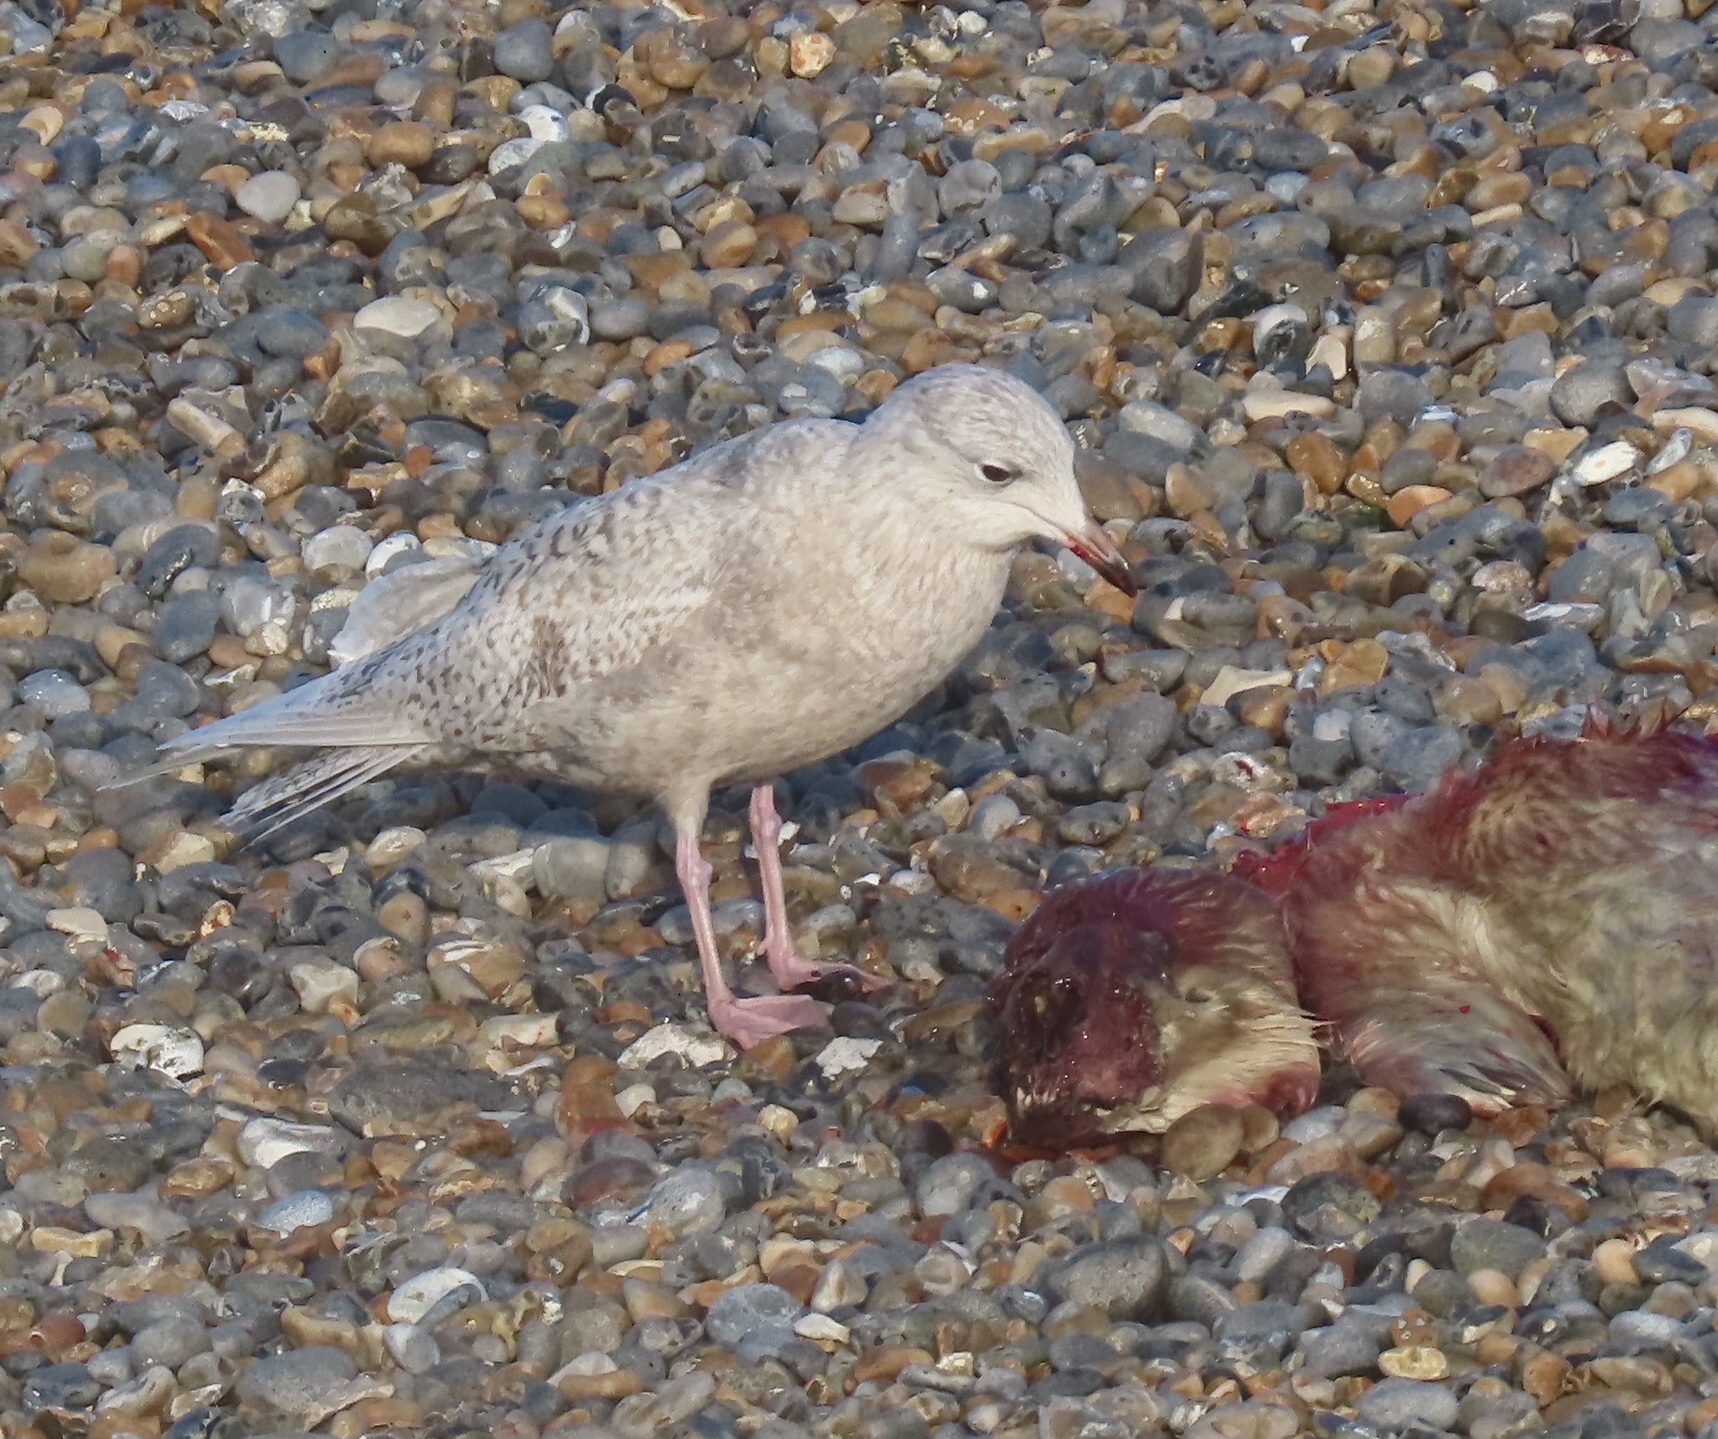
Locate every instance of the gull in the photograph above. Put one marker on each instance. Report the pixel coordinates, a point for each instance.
(765, 604)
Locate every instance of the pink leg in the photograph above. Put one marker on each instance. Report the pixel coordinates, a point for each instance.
(745, 1021)
(790, 968)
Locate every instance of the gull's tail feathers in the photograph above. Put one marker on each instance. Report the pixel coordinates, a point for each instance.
(285, 798)
(347, 710)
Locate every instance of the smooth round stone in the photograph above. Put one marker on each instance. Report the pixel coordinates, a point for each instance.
(1340, 1349)
(1202, 1143)
(1398, 1403)
(949, 1184)
(54, 692)
(1434, 1113)
(1285, 186)
(400, 86)
(620, 319)
(1123, 1278)
(337, 547)
(740, 1313)
(524, 51)
(968, 185)
(1263, 1252)
(513, 152)
(62, 1386)
(85, 258)
(304, 1210)
(1492, 1244)
(1416, 759)
(1580, 395)
(294, 334)
(573, 867)
(158, 1222)
(169, 1342)
(402, 142)
(185, 626)
(269, 196)
(397, 315)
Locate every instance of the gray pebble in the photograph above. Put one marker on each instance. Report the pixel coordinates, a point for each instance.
(1123, 1278)
(1400, 1403)
(524, 51)
(293, 1383)
(740, 1313)
(1493, 1244)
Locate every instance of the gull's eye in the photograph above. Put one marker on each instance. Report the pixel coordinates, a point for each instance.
(999, 474)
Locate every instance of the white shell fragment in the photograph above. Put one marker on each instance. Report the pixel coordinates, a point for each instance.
(697, 1047)
(846, 1055)
(176, 1052)
(422, 1292)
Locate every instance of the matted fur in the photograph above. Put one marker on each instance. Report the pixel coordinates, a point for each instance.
(1544, 922)
(1132, 998)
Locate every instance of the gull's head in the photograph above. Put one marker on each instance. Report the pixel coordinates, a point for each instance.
(994, 455)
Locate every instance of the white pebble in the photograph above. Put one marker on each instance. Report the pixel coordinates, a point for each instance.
(513, 152)
(993, 816)
(397, 315)
(338, 546)
(303, 1210)
(269, 196)
(1315, 1124)
(392, 845)
(395, 544)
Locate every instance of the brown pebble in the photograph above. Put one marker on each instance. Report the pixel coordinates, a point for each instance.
(1417, 1361)
(885, 1361)
(1537, 1181)
(1316, 456)
(1516, 470)
(64, 569)
(617, 1384)
(1543, 1375)
(1613, 1262)
(1203, 1142)
(1409, 501)
(220, 240)
(1493, 1286)
(1353, 666)
(401, 142)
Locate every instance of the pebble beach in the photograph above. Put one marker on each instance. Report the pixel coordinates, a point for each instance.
(1385, 333)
